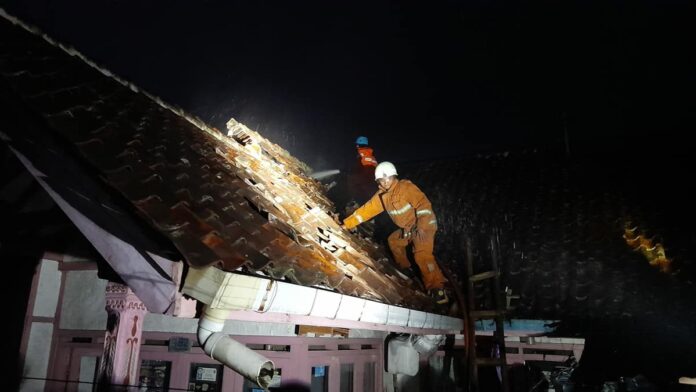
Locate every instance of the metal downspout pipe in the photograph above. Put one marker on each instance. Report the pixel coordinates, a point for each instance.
(230, 352)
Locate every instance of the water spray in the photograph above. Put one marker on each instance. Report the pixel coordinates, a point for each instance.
(324, 174)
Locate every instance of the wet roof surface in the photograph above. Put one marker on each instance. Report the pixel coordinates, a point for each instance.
(566, 229)
(234, 201)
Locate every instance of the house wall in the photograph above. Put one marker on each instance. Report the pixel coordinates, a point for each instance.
(77, 353)
(65, 336)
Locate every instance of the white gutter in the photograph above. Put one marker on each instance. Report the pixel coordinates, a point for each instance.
(224, 292)
(220, 289)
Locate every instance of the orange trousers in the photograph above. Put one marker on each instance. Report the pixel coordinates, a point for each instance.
(422, 252)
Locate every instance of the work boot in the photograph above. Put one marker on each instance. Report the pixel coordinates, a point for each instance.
(408, 272)
(412, 276)
(440, 296)
(402, 274)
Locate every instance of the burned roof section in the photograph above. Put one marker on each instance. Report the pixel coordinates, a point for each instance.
(235, 201)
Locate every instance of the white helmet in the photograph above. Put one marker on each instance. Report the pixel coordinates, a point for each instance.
(384, 170)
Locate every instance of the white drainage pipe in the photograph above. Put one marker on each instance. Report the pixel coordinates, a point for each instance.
(230, 352)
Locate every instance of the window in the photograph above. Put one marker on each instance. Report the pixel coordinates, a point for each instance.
(320, 379)
(369, 377)
(346, 377)
(88, 373)
(154, 375)
(205, 377)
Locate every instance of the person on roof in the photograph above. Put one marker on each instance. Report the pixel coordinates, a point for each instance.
(356, 186)
(365, 152)
(360, 178)
(412, 212)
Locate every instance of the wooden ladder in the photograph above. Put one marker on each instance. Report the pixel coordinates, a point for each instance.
(473, 315)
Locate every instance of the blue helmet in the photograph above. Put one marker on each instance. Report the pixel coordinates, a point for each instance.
(361, 141)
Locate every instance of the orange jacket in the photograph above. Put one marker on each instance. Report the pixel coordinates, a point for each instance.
(366, 156)
(407, 206)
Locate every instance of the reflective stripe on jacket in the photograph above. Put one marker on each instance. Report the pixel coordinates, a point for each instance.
(406, 205)
(366, 156)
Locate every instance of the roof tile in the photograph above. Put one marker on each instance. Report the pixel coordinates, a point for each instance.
(236, 201)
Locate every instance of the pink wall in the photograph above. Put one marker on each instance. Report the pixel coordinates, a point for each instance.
(296, 364)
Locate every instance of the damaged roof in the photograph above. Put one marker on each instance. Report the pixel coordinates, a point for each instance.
(234, 201)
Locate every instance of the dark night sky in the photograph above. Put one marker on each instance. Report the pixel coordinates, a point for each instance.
(422, 81)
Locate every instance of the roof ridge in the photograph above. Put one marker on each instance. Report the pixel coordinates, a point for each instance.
(72, 51)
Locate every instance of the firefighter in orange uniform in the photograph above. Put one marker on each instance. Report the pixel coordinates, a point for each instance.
(360, 178)
(411, 210)
(360, 181)
(367, 157)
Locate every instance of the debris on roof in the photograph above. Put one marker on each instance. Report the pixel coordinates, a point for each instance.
(238, 202)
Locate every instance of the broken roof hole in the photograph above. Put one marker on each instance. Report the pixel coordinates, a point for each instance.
(241, 137)
(257, 209)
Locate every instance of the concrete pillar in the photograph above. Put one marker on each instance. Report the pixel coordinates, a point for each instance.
(121, 357)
